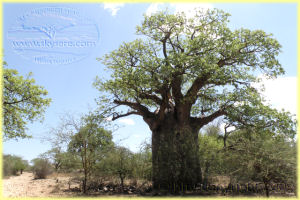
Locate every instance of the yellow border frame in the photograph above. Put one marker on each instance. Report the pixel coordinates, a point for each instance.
(145, 1)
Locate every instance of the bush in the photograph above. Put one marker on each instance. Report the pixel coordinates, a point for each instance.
(41, 168)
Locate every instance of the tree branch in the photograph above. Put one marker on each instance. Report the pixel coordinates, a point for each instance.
(136, 106)
(201, 121)
(124, 115)
(176, 88)
(164, 42)
(153, 97)
(191, 95)
(16, 102)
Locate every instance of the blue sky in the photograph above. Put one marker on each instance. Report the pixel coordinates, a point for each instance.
(70, 85)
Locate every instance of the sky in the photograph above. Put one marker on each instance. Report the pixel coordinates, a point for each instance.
(109, 25)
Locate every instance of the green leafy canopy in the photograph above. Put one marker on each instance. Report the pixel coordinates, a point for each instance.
(199, 68)
(23, 101)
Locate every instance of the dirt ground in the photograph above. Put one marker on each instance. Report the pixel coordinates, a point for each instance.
(57, 185)
(25, 185)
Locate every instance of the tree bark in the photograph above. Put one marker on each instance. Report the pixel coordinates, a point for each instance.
(122, 182)
(267, 189)
(84, 182)
(175, 156)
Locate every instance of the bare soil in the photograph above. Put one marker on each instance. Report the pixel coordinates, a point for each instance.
(59, 185)
(55, 185)
(25, 185)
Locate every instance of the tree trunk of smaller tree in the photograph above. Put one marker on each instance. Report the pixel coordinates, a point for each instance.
(57, 166)
(85, 167)
(122, 182)
(267, 189)
(175, 156)
(84, 185)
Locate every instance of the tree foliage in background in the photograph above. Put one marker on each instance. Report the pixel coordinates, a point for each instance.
(142, 163)
(182, 74)
(23, 101)
(262, 157)
(13, 164)
(62, 161)
(210, 152)
(248, 157)
(55, 156)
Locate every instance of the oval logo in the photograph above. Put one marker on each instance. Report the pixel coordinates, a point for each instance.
(53, 35)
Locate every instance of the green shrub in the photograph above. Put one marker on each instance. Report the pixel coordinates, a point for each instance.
(41, 168)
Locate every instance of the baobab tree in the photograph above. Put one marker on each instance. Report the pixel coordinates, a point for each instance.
(182, 74)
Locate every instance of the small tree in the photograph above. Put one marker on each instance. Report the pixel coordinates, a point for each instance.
(122, 165)
(60, 137)
(118, 163)
(91, 139)
(22, 165)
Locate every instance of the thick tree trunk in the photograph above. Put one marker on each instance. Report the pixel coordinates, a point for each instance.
(175, 156)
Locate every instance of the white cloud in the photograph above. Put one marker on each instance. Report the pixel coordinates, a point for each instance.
(187, 8)
(280, 92)
(113, 8)
(127, 121)
(153, 8)
(222, 127)
(136, 136)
